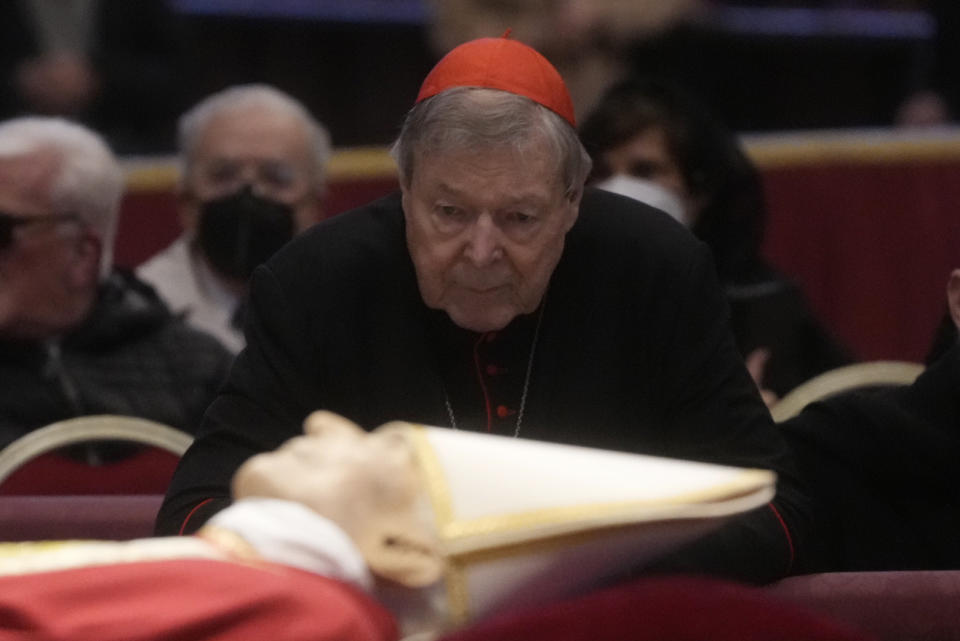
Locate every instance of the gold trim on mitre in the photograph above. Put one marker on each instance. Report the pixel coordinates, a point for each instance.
(467, 542)
(511, 529)
(439, 496)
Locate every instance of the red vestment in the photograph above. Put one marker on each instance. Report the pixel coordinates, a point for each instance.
(187, 600)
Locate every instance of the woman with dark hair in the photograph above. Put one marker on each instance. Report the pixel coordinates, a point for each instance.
(653, 130)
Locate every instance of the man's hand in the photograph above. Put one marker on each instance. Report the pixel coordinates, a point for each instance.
(756, 362)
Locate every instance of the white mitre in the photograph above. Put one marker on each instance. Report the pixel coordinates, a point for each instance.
(522, 522)
(508, 523)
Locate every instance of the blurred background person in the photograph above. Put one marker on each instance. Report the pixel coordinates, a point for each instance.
(850, 62)
(76, 337)
(654, 131)
(587, 40)
(252, 175)
(935, 97)
(110, 64)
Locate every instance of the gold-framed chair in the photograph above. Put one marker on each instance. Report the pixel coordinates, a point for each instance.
(881, 373)
(149, 468)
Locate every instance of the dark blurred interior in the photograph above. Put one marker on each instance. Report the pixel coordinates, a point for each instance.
(357, 64)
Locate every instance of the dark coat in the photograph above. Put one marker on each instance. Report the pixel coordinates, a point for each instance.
(131, 356)
(634, 352)
(882, 469)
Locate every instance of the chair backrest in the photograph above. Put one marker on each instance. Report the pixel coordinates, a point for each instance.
(32, 465)
(858, 376)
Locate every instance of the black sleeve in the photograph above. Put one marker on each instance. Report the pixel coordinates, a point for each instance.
(880, 464)
(710, 406)
(716, 413)
(271, 389)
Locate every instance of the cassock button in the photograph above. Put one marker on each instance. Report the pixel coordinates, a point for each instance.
(490, 337)
(493, 370)
(503, 411)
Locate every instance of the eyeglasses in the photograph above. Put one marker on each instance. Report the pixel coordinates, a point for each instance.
(9, 222)
(271, 177)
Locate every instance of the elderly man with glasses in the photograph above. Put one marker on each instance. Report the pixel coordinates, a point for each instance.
(76, 336)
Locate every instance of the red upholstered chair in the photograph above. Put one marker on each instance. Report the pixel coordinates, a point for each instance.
(147, 471)
(45, 494)
(32, 465)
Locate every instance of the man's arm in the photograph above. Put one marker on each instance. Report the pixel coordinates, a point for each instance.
(270, 390)
(716, 409)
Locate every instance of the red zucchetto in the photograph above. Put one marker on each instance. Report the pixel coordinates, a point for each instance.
(504, 64)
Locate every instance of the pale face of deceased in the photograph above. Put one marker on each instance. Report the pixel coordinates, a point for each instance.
(337, 470)
(485, 230)
(367, 483)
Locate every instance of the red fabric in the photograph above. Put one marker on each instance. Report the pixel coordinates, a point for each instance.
(148, 222)
(346, 194)
(871, 244)
(505, 64)
(665, 609)
(146, 472)
(187, 600)
(483, 386)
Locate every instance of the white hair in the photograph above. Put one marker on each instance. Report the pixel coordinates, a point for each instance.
(193, 122)
(89, 181)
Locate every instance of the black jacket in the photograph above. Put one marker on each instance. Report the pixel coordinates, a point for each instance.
(634, 352)
(130, 356)
(772, 313)
(882, 469)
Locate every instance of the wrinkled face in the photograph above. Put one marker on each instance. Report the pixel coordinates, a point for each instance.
(271, 151)
(485, 230)
(47, 278)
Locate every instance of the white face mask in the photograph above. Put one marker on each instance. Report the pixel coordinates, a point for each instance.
(647, 192)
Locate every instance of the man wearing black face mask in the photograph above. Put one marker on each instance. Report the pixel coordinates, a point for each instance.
(253, 163)
(239, 231)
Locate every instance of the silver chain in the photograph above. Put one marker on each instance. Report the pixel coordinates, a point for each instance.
(526, 380)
